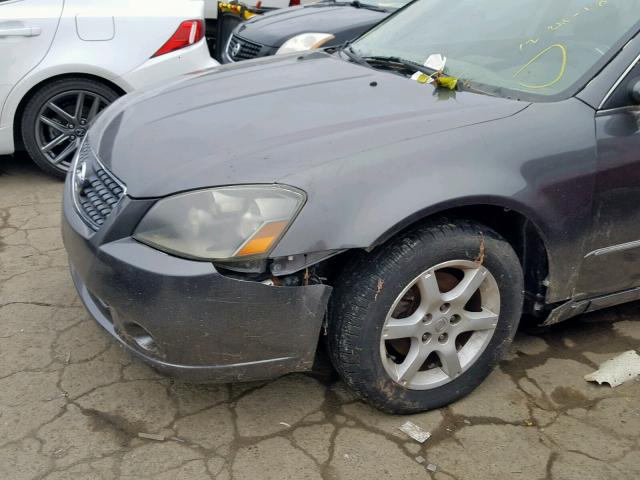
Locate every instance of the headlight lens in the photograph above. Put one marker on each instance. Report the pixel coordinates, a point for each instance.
(304, 41)
(221, 223)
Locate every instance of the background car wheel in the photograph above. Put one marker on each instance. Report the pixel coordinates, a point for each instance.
(422, 321)
(57, 117)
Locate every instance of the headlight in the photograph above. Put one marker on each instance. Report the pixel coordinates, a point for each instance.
(221, 223)
(304, 41)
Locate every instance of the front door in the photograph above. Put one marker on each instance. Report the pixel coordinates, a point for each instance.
(27, 28)
(613, 261)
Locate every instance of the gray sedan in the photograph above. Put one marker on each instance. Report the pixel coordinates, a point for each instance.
(402, 202)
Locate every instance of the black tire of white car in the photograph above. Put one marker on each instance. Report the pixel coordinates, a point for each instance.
(370, 286)
(32, 112)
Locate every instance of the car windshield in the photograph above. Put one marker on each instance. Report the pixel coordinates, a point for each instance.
(524, 49)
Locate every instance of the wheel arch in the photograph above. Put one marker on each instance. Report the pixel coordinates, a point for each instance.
(521, 228)
(17, 118)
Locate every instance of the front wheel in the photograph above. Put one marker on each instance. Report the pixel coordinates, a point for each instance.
(57, 118)
(422, 321)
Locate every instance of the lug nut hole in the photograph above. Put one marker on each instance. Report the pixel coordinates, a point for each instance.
(444, 308)
(455, 319)
(443, 338)
(427, 318)
(426, 338)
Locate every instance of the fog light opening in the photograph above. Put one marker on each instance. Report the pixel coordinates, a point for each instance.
(141, 337)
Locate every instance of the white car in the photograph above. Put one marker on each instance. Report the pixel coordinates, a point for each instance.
(63, 61)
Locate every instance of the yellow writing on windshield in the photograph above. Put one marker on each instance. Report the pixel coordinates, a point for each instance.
(587, 9)
(563, 67)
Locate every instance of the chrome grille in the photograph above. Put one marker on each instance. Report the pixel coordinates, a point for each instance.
(241, 49)
(97, 192)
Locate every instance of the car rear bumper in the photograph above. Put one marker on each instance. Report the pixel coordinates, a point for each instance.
(185, 318)
(169, 66)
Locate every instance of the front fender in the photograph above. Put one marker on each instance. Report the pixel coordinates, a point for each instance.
(541, 168)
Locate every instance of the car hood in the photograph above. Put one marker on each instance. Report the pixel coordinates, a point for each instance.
(262, 121)
(276, 27)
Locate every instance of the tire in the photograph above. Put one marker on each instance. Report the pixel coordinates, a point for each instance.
(370, 286)
(64, 93)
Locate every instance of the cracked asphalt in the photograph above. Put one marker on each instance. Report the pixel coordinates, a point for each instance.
(72, 403)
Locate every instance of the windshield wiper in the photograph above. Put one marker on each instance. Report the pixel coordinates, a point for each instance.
(368, 6)
(468, 87)
(403, 64)
(356, 4)
(395, 63)
(347, 49)
(398, 63)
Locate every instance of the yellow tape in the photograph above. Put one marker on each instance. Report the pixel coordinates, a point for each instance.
(237, 9)
(229, 7)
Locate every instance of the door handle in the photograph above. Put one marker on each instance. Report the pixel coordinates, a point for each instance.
(20, 32)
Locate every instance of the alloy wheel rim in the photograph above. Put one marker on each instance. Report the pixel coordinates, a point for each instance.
(63, 122)
(440, 324)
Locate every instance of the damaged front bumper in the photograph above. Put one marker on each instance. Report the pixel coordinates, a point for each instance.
(185, 318)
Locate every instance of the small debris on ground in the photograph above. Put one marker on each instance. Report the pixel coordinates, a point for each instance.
(420, 459)
(285, 424)
(432, 467)
(618, 370)
(467, 422)
(60, 452)
(152, 436)
(415, 432)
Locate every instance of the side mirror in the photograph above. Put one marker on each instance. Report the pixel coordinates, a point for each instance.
(634, 90)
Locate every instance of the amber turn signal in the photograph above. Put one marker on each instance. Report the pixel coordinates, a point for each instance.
(263, 239)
